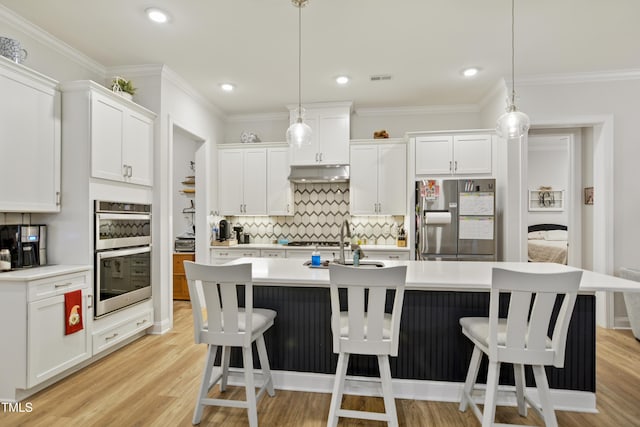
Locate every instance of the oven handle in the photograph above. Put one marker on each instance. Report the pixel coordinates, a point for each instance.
(100, 216)
(122, 252)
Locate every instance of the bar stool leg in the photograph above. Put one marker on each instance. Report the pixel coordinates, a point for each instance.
(338, 389)
(472, 374)
(264, 365)
(489, 410)
(250, 389)
(387, 390)
(545, 398)
(518, 373)
(205, 384)
(226, 354)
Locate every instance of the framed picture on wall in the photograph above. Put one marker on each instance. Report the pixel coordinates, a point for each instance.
(588, 196)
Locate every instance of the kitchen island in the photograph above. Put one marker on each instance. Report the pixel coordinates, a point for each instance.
(433, 354)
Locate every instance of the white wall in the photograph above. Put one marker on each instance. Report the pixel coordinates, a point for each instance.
(272, 127)
(548, 166)
(547, 103)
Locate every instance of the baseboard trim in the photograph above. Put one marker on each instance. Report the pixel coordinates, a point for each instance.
(438, 391)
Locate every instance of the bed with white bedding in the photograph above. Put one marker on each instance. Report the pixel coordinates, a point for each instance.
(548, 243)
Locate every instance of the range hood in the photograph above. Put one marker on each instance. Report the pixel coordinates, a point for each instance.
(319, 174)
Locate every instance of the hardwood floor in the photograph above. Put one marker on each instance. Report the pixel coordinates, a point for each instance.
(154, 381)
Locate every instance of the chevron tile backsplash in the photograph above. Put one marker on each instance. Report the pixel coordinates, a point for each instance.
(320, 209)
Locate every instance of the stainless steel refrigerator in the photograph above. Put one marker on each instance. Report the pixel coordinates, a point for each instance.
(455, 219)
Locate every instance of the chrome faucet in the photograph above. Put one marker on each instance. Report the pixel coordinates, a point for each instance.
(345, 224)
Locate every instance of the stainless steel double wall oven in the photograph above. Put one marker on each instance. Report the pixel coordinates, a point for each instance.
(122, 255)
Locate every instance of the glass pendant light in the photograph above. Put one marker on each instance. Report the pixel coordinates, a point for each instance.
(299, 133)
(513, 124)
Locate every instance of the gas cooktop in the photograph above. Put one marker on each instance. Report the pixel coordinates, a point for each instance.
(318, 243)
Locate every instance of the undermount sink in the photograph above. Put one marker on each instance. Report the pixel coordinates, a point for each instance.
(363, 264)
(366, 264)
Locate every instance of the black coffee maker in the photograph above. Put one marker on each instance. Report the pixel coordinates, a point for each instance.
(238, 231)
(26, 243)
(225, 231)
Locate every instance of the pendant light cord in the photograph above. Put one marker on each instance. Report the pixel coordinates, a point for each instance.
(300, 60)
(513, 54)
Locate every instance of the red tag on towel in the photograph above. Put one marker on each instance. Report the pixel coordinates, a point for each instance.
(73, 312)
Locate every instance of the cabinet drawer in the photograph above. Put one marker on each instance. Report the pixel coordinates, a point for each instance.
(273, 253)
(235, 253)
(111, 336)
(59, 285)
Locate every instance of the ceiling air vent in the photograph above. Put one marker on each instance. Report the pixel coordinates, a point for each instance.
(380, 77)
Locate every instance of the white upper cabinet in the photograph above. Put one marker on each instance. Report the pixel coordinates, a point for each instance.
(330, 124)
(242, 181)
(378, 178)
(464, 154)
(279, 188)
(29, 140)
(121, 141)
(120, 132)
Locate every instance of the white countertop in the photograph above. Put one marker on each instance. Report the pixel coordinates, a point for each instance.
(429, 275)
(34, 273)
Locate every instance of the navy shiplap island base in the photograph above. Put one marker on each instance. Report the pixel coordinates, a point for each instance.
(433, 355)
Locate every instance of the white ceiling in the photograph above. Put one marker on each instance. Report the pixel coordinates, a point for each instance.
(422, 44)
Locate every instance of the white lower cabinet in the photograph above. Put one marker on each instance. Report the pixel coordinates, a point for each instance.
(122, 328)
(34, 347)
(273, 253)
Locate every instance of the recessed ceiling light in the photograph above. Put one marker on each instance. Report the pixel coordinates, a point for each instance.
(227, 87)
(342, 80)
(470, 72)
(157, 15)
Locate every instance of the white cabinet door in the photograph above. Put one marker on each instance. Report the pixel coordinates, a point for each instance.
(29, 141)
(454, 154)
(392, 179)
(472, 154)
(333, 134)
(50, 351)
(242, 181)
(121, 142)
(307, 154)
(330, 138)
(378, 179)
(230, 181)
(363, 180)
(137, 148)
(434, 155)
(255, 182)
(279, 188)
(107, 129)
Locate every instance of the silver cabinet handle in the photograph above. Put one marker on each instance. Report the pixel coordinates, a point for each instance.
(456, 165)
(125, 170)
(394, 256)
(58, 198)
(63, 285)
(450, 166)
(115, 334)
(142, 322)
(90, 305)
(129, 171)
(288, 207)
(320, 156)
(317, 157)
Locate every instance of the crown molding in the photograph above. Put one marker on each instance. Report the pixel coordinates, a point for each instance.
(587, 77)
(16, 21)
(418, 111)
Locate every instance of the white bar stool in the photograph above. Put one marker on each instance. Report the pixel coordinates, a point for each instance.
(521, 338)
(365, 329)
(214, 289)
